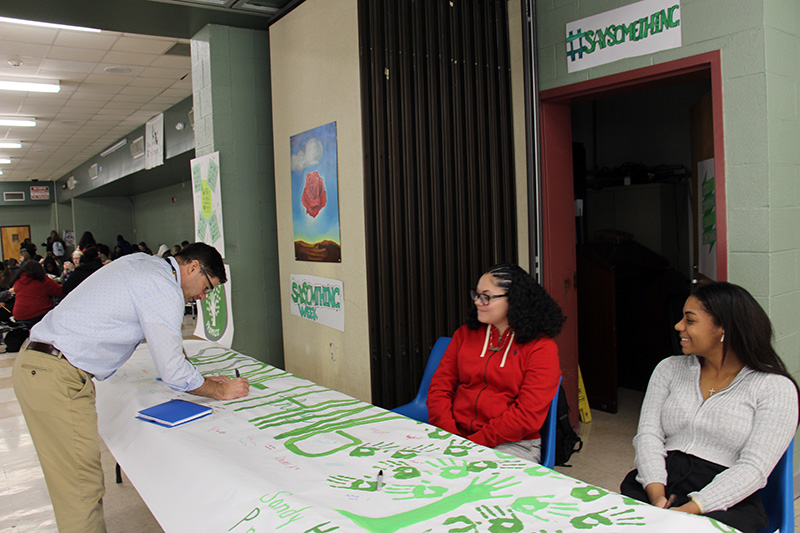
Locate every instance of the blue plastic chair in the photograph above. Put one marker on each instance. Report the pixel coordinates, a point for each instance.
(548, 433)
(418, 408)
(778, 495)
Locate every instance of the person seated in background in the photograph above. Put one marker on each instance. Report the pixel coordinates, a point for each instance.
(50, 266)
(125, 247)
(33, 293)
(500, 371)
(87, 239)
(104, 253)
(163, 251)
(90, 263)
(142, 247)
(715, 421)
(13, 266)
(176, 248)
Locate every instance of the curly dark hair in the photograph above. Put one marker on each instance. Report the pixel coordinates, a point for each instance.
(32, 269)
(532, 312)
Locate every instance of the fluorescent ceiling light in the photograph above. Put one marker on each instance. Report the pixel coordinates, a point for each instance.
(31, 86)
(47, 25)
(111, 149)
(10, 145)
(5, 161)
(26, 123)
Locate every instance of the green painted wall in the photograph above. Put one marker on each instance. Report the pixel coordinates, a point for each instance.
(233, 116)
(159, 219)
(104, 217)
(39, 218)
(759, 43)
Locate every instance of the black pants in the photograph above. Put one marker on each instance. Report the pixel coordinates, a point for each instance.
(687, 473)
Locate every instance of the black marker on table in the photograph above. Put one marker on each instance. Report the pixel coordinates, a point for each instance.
(380, 479)
(237, 373)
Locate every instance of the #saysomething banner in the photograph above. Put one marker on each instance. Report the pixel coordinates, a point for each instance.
(318, 299)
(215, 314)
(641, 28)
(208, 201)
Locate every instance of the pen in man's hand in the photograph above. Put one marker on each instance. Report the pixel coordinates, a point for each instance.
(380, 479)
(238, 375)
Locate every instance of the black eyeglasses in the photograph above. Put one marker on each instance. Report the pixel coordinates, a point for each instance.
(210, 285)
(484, 298)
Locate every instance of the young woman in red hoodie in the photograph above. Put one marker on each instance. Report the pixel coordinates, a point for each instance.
(500, 371)
(34, 293)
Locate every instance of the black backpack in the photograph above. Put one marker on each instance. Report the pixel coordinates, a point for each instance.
(567, 441)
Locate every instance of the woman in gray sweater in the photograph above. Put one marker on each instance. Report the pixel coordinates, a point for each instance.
(715, 421)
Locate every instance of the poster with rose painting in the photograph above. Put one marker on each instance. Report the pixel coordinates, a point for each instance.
(315, 195)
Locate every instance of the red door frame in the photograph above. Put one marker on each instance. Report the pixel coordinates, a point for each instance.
(558, 223)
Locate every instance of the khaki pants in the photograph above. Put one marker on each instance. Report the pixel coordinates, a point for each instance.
(58, 402)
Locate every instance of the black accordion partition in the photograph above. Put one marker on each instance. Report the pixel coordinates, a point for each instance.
(439, 173)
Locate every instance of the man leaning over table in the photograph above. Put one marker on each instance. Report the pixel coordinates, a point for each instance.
(90, 334)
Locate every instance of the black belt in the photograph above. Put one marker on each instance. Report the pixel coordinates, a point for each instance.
(42, 347)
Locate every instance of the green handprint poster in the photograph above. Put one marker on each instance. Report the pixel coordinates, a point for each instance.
(207, 194)
(215, 314)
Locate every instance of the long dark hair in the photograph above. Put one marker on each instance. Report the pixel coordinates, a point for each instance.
(748, 330)
(32, 268)
(532, 313)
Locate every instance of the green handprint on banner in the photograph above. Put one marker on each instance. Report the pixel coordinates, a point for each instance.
(412, 492)
(400, 469)
(459, 450)
(450, 468)
(409, 452)
(534, 505)
(351, 483)
(367, 450)
(599, 518)
(477, 490)
(588, 493)
(438, 433)
(499, 522)
(469, 524)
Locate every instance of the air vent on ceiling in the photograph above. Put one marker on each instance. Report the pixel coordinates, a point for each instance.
(93, 171)
(179, 49)
(137, 147)
(14, 196)
(265, 7)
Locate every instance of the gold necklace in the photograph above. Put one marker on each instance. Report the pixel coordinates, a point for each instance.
(713, 390)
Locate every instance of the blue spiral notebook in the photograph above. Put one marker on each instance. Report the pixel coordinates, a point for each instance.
(173, 413)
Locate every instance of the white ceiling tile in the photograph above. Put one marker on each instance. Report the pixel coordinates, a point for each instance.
(108, 79)
(107, 69)
(173, 74)
(75, 54)
(183, 62)
(160, 83)
(142, 46)
(99, 88)
(22, 50)
(26, 34)
(127, 58)
(152, 91)
(133, 98)
(98, 41)
(69, 66)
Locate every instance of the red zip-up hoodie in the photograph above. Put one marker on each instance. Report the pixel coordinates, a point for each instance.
(34, 298)
(500, 397)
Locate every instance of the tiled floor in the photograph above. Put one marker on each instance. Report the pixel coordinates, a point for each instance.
(25, 506)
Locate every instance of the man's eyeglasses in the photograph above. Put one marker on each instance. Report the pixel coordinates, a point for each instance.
(210, 285)
(484, 298)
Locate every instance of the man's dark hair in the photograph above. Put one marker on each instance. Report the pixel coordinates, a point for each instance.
(208, 256)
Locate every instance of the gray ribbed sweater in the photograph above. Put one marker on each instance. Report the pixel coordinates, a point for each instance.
(746, 427)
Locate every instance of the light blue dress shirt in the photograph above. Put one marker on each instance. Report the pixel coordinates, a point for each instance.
(102, 321)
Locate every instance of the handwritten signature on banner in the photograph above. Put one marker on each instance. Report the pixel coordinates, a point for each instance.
(311, 424)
